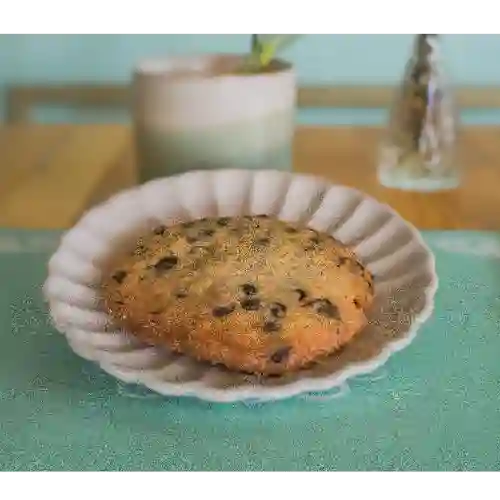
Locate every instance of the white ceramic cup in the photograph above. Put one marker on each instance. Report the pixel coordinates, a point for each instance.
(196, 112)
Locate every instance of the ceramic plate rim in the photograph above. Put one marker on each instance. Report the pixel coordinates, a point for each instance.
(261, 393)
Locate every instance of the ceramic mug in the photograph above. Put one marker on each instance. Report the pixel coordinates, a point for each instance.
(196, 112)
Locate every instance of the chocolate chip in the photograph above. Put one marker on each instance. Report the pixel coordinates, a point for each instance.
(119, 276)
(302, 294)
(342, 261)
(277, 309)
(249, 289)
(325, 308)
(160, 230)
(166, 263)
(250, 304)
(280, 355)
(221, 311)
(271, 327)
(262, 241)
(181, 295)
(223, 221)
(206, 232)
(356, 303)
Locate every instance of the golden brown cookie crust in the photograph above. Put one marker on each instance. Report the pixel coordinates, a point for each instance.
(252, 293)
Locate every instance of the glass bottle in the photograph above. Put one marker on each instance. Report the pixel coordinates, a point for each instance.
(419, 149)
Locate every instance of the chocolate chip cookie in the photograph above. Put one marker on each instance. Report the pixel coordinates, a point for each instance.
(252, 293)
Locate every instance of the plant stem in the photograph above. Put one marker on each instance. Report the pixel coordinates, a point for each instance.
(255, 44)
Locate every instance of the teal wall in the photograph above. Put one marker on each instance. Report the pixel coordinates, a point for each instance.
(327, 59)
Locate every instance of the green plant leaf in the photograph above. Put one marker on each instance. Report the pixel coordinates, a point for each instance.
(264, 48)
(279, 42)
(271, 45)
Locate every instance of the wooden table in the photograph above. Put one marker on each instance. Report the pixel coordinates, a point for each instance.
(50, 174)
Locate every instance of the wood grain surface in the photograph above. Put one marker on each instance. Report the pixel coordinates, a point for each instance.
(50, 174)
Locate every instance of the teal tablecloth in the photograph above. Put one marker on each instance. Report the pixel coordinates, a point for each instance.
(433, 406)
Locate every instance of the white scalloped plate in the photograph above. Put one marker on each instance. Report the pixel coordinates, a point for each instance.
(404, 270)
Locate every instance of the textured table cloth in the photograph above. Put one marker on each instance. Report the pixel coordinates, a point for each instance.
(433, 406)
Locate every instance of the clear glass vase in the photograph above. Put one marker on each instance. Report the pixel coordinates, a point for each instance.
(419, 151)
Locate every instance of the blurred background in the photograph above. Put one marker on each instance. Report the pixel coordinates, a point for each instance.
(27, 60)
